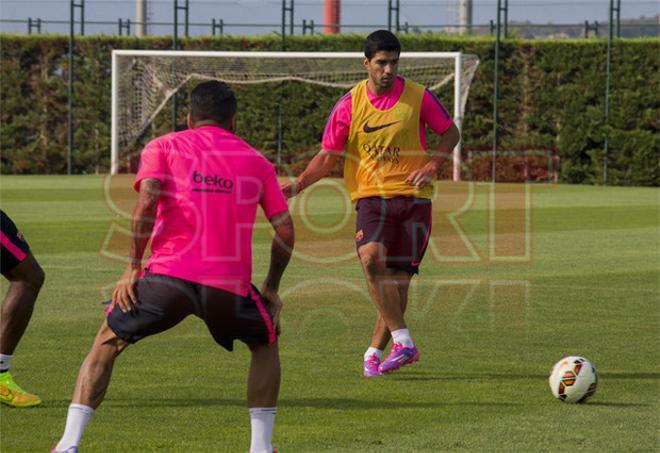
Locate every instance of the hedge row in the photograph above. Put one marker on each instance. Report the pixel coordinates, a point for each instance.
(552, 96)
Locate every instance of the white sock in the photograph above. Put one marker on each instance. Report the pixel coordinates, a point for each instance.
(76, 421)
(4, 362)
(263, 421)
(402, 336)
(371, 351)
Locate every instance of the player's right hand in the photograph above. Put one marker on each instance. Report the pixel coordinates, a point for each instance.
(124, 294)
(274, 306)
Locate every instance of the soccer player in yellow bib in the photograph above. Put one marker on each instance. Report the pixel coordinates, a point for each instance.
(380, 128)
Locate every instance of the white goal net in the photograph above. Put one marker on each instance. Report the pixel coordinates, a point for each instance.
(143, 82)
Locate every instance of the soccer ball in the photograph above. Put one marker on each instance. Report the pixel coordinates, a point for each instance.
(573, 379)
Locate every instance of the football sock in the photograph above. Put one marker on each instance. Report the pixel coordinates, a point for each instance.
(402, 336)
(4, 362)
(371, 351)
(76, 421)
(262, 421)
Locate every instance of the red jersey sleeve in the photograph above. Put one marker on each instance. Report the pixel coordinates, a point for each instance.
(153, 164)
(338, 125)
(434, 114)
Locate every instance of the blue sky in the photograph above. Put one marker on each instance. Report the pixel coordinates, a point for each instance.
(362, 12)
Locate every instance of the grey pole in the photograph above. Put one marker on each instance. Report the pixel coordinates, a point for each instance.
(618, 18)
(465, 17)
(175, 44)
(608, 70)
(496, 89)
(393, 8)
(280, 112)
(69, 130)
(81, 5)
(506, 18)
(187, 17)
(398, 11)
(283, 30)
(140, 17)
(389, 15)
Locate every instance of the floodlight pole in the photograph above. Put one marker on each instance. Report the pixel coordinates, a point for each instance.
(69, 132)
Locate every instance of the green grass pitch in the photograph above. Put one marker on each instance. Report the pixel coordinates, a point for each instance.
(582, 278)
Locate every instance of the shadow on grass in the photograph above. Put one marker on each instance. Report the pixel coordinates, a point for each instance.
(315, 403)
(347, 403)
(613, 404)
(630, 375)
(422, 376)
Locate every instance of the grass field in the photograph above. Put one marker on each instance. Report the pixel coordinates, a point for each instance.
(583, 278)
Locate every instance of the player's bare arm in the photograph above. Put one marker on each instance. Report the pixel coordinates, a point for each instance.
(317, 168)
(142, 225)
(280, 254)
(424, 176)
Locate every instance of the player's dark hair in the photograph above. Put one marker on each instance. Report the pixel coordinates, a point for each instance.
(212, 100)
(381, 40)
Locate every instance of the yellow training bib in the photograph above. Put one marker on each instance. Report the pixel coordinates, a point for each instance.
(384, 146)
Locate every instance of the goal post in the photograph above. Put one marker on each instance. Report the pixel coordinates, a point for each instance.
(143, 81)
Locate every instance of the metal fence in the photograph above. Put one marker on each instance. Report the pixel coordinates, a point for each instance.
(220, 27)
(501, 28)
(288, 17)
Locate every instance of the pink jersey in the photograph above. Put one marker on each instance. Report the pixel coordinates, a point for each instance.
(337, 128)
(211, 184)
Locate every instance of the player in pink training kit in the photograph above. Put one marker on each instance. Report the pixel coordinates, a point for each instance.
(380, 127)
(198, 195)
(433, 114)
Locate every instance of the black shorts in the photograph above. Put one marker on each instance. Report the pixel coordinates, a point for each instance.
(401, 224)
(14, 247)
(165, 301)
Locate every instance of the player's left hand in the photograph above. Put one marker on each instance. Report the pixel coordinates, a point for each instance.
(422, 177)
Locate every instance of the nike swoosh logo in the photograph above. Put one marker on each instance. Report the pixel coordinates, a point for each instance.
(368, 129)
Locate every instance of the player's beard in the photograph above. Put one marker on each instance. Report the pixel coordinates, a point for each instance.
(386, 82)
